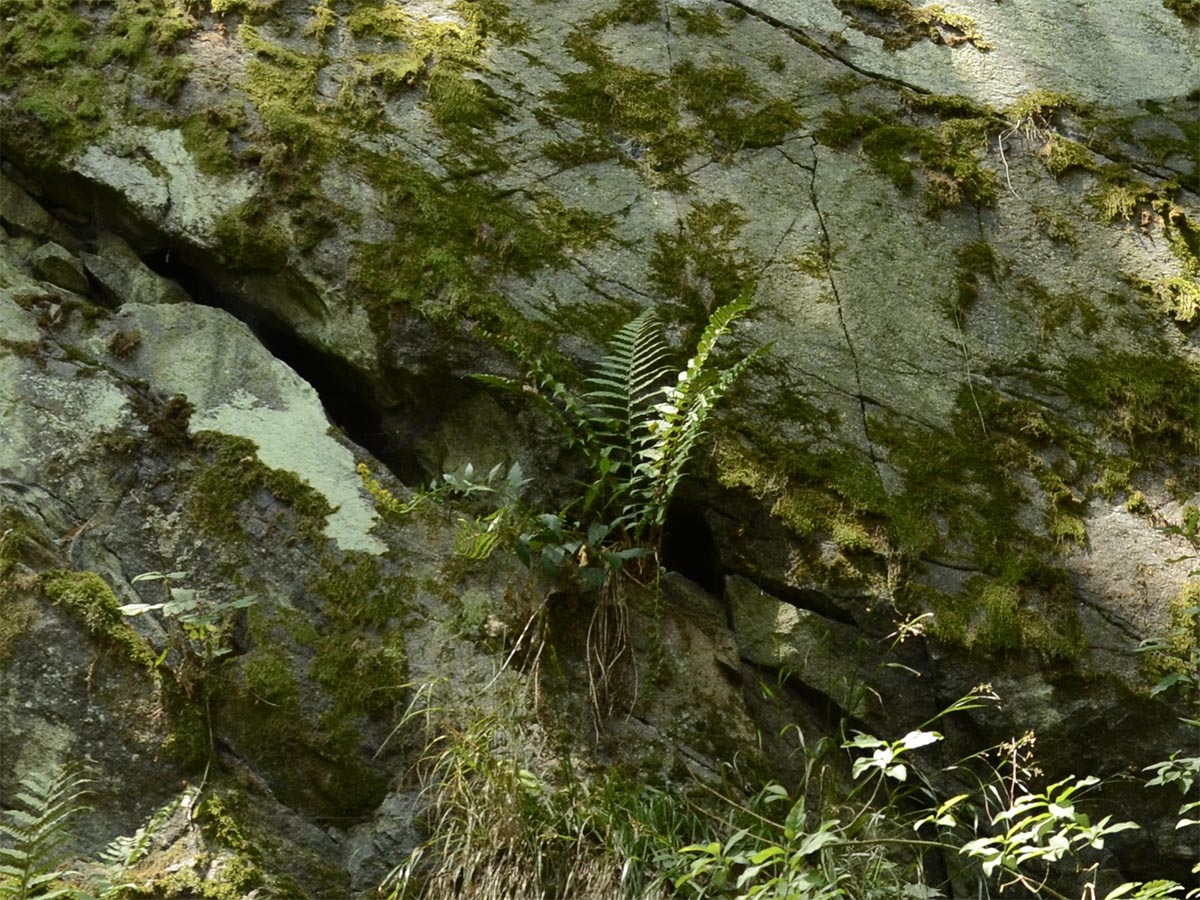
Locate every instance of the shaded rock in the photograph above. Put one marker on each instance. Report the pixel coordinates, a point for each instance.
(124, 278)
(818, 652)
(21, 212)
(60, 267)
(238, 388)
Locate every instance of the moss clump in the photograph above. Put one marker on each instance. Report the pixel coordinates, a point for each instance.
(235, 475)
(724, 100)
(57, 96)
(1150, 402)
(973, 260)
(948, 153)
(1041, 107)
(20, 541)
(451, 242)
(251, 10)
(572, 227)
(263, 707)
(700, 263)
(1060, 155)
(947, 106)
(632, 12)
(1188, 11)
(361, 658)
(366, 675)
(249, 240)
(1176, 653)
(459, 103)
(1179, 295)
(610, 98)
(829, 498)
(282, 84)
(899, 24)
(1055, 225)
(87, 597)
(358, 592)
(1000, 616)
(206, 135)
(1119, 194)
(707, 22)
(662, 121)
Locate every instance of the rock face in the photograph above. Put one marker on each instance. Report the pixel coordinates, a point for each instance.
(249, 246)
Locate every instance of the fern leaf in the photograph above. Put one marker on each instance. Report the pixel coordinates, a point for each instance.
(623, 394)
(562, 404)
(40, 829)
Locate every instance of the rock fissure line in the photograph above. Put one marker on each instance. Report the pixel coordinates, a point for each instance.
(827, 247)
(803, 39)
(1118, 622)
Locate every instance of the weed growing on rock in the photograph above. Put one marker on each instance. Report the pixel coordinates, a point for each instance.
(637, 425)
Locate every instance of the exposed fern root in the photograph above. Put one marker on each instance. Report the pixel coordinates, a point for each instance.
(609, 651)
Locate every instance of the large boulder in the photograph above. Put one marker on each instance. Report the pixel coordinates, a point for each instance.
(971, 233)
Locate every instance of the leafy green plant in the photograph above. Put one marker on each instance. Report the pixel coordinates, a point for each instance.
(637, 424)
(197, 627)
(1046, 826)
(38, 826)
(871, 838)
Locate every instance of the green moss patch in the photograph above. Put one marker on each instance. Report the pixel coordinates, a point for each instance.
(1061, 155)
(900, 24)
(249, 238)
(51, 63)
(206, 135)
(452, 241)
(700, 263)
(1188, 11)
(1176, 653)
(58, 96)
(950, 154)
(663, 120)
(89, 599)
(1119, 193)
(312, 761)
(233, 476)
(974, 260)
(1151, 403)
(21, 543)
(999, 616)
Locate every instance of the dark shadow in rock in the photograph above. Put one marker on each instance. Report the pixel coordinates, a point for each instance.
(689, 548)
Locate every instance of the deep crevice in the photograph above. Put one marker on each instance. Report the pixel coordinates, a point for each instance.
(347, 396)
(689, 547)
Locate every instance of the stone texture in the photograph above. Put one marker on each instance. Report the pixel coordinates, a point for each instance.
(816, 651)
(124, 278)
(59, 266)
(944, 308)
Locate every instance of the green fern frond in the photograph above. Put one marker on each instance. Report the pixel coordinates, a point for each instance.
(680, 418)
(125, 851)
(38, 828)
(559, 400)
(472, 540)
(636, 424)
(624, 392)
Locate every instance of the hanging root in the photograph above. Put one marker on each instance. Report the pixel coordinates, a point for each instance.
(608, 644)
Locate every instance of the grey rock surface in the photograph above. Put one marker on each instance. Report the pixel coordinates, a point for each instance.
(59, 266)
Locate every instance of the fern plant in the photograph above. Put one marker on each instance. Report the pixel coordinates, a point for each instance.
(637, 423)
(38, 827)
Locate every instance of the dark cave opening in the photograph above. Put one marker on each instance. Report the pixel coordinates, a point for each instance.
(689, 547)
